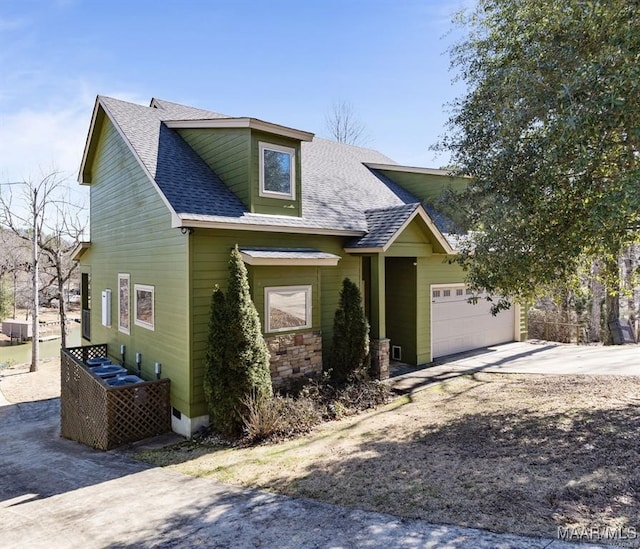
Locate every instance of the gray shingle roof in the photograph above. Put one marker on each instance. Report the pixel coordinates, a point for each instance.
(338, 189)
(383, 224)
(175, 111)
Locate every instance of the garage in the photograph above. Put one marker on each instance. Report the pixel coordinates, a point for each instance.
(458, 325)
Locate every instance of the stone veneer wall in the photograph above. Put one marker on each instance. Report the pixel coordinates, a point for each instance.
(294, 355)
(379, 349)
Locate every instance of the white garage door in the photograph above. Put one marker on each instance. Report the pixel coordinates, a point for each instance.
(458, 325)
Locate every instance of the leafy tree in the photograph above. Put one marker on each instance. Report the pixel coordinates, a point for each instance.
(549, 130)
(350, 356)
(237, 368)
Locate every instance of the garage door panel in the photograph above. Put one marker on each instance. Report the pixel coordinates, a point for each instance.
(458, 325)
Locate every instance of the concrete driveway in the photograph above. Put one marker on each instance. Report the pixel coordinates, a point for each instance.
(55, 493)
(527, 358)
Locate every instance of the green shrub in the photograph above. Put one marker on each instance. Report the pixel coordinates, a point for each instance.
(350, 354)
(237, 366)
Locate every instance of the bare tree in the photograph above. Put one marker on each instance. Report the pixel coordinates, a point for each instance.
(46, 219)
(64, 232)
(344, 126)
(14, 265)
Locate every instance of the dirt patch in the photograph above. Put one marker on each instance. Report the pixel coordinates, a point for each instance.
(508, 453)
(19, 385)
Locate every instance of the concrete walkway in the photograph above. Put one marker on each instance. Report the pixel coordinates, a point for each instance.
(55, 493)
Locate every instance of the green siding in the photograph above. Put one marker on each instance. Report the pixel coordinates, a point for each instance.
(274, 206)
(227, 151)
(427, 187)
(210, 249)
(130, 233)
(431, 270)
(233, 154)
(413, 241)
(263, 277)
(401, 305)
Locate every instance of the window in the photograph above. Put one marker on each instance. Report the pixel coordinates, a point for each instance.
(277, 171)
(123, 303)
(459, 291)
(446, 293)
(436, 293)
(287, 308)
(144, 314)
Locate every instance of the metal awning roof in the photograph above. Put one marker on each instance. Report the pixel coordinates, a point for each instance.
(300, 257)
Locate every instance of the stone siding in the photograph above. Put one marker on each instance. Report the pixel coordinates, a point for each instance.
(380, 358)
(294, 355)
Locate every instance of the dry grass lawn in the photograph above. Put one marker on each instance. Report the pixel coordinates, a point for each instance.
(508, 453)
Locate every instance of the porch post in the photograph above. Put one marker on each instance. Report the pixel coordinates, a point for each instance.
(378, 313)
(379, 347)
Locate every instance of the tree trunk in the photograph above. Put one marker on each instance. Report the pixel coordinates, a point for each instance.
(62, 307)
(596, 302)
(630, 265)
(35, 320)
(35, 340)
(612, 298)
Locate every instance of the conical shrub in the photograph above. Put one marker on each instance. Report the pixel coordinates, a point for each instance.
(237, 366)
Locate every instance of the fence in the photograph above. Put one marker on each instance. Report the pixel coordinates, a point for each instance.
(557, 331)
(104, 417)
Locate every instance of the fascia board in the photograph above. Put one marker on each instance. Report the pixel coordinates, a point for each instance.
(430, 224)
(180, 221)
(411, 169)
(364, 250)
(87, 144)
(252, 123)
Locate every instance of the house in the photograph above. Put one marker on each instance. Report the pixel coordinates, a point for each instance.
(173, 189)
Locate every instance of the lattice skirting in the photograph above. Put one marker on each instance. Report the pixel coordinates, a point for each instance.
(104, 417)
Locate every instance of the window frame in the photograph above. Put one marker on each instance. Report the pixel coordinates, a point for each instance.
(137, 321)
(121, 328)
(262, 146)
(307, 289)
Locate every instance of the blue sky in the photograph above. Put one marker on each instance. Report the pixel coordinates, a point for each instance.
(282, 61)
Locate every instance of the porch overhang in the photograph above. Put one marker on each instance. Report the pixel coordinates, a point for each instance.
(295, 257)
(79, 250)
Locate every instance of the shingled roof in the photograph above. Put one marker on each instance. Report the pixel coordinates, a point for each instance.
(340, 195)
(383, 224)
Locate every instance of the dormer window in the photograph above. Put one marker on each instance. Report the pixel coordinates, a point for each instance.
(277, 171)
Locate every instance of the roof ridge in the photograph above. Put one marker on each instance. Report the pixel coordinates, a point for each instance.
(165, 105)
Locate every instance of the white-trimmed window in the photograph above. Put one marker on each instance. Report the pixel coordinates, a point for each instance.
(144, 306)
(287, 308)
(277, 171)
(124, 301)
